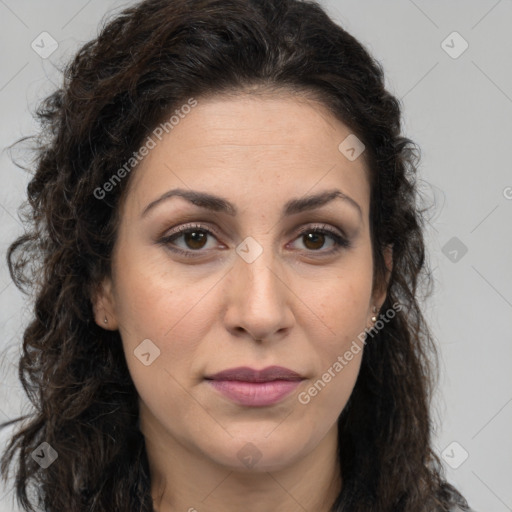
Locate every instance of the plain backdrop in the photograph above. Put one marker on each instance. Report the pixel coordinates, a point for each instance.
(450, 63)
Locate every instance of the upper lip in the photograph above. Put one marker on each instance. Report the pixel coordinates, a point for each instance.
(246, 374)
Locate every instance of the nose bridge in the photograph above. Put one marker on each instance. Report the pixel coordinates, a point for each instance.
(257, 268)
(258, 301)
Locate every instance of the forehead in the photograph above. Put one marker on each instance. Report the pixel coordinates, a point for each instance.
(252, 147)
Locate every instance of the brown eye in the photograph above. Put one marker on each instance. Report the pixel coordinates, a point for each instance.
(188, 240)
(314, 240)
(195, 239)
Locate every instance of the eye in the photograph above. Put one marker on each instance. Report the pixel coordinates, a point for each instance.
(314, 238)
(195, 238)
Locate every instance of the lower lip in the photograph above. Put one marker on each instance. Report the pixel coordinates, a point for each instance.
(255, 394)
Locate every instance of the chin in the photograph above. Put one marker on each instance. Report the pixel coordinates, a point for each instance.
(267, 450)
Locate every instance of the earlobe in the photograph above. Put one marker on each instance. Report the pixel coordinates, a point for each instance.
(104, 306)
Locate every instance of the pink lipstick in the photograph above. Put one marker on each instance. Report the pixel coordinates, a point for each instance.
(255, 388)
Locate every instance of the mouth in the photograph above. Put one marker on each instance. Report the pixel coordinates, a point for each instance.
(255, 388)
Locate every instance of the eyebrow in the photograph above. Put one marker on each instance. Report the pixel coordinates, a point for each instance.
(219, 204)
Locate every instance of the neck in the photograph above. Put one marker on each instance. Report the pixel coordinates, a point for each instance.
(184, 480)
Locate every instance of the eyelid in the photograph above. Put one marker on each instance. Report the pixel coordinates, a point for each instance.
(322, 226)
(191, 226)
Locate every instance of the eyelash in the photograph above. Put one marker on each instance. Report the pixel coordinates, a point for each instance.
(340, 242)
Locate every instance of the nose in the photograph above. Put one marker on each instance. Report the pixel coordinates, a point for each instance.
(258, 298)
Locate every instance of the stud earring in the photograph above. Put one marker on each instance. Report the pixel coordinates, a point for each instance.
(374, 317)
(105, 320)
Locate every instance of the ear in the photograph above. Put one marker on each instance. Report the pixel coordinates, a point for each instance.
(103, 305)
(380, 292)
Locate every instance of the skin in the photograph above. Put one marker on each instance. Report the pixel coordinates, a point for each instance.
(295, 305)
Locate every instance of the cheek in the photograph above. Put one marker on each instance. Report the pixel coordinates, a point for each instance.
(339, 359)
(153, 300)
(341, 352)
(168, 309)
(341, 301)
(342, 310)
(175, 320)
(343, 307)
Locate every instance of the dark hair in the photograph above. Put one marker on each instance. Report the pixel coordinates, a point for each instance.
(147, 61)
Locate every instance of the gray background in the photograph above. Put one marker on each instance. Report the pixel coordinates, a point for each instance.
(458, 108)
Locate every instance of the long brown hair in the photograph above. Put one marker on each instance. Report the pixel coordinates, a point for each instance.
(145, 63)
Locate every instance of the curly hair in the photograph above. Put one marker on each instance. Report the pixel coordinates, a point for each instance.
(145, 62)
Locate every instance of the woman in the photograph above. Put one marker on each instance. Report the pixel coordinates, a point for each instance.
(226, 252)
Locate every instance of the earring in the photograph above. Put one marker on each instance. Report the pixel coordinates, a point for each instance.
(374, 317)
(105, 321)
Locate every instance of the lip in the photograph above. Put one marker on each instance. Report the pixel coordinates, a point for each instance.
(246, 374)
(255, 388)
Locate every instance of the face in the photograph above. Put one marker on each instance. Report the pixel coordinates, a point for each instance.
(258, 277)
